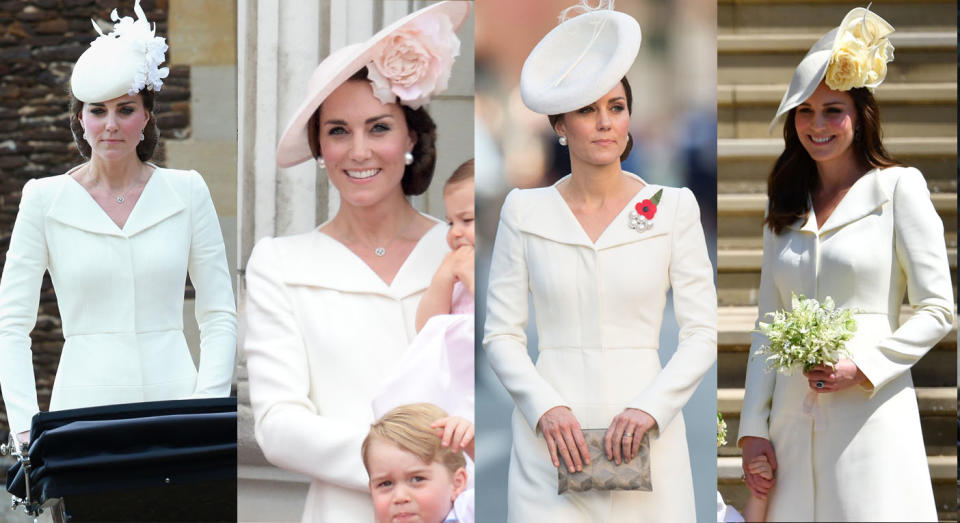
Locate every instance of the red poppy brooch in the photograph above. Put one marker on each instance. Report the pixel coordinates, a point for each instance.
(641, 217)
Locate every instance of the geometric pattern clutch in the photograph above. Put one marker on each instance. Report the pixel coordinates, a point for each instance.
(603, 474)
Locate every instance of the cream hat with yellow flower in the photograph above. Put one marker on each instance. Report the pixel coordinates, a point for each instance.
(580, 60)
(123, 61)
(855, 54)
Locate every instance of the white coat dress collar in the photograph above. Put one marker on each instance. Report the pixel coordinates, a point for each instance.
(865, 196)
(549, 216)
(74, 207)
(316, 259)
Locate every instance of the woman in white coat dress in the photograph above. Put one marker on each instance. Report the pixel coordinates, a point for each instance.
(330, 312)
(597, 252)
(846, 221)
(119, 236)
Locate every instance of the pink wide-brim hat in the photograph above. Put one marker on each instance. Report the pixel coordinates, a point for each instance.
(294, 147)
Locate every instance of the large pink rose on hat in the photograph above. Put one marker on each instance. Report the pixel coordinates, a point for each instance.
(414, 62)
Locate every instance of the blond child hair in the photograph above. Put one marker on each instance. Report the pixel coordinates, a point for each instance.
(462, 173)
(408, 427)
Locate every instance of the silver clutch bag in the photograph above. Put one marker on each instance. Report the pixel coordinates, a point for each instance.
(603, 474)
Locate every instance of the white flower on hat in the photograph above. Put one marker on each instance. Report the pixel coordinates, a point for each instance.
(140, 36)
(861, 52)
(414, 62)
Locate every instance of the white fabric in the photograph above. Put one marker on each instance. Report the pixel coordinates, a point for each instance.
(463, 508)
(437, 367)
(120, 294)
(884, 238)
(579, 61)
(599, 308)
(323, 333)
(727, 513)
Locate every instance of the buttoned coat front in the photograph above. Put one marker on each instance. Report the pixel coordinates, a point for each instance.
(120, 292)
(867, 461)
(599, 308)
(323, 334)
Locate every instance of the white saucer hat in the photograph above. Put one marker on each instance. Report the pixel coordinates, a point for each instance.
(121, 62)
(854, 54)
(409, 60)
(580, 60)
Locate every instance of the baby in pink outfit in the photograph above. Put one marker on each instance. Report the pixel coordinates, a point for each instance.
(438, 365)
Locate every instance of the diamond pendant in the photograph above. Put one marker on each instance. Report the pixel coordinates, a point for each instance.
(121, 199)
(380, 251)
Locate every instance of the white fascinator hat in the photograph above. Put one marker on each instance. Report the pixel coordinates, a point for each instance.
(580, 60)
(854, 54)
(407, 62)
(124, 61)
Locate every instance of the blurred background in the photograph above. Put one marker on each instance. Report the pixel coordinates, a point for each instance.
(759, 45)
(674, 127)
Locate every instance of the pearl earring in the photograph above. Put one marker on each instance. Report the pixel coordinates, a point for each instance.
(562, 140)
(142, 137)
(322, 163)
(408, 158)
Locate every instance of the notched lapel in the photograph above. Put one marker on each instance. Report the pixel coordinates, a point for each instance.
(865, 196)
(158, 202)
(317, 260)
(74, 207)
(546, 215)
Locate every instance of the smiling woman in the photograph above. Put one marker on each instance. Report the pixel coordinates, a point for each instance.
(363, 272)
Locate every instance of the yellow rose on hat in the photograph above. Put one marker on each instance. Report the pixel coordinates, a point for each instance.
(861, 52)
(847, 69)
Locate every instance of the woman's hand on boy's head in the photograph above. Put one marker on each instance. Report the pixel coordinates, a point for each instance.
(455, 432)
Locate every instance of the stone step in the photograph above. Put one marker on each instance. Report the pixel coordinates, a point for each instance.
(819, 16)
(744, 111)
(749, 260)
(933, 402)
(744, 164)
(772, 147)
(943, 472)
(897, 93)
(899, 120)
(741, 219)
(784, 42)
(921, 65)
(756, 204)
(938, 434)
(736, 322)
(738, 270)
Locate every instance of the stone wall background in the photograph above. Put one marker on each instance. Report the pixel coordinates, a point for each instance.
(39, 42)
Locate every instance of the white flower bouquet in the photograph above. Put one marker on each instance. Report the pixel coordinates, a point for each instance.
(811, 334)
(721, 430)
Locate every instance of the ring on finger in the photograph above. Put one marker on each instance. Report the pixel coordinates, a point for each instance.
(628, 434)
(819, 384)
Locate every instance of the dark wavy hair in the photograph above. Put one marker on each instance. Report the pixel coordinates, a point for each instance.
(554, 118)
(794, 175)
(151, 135)
(416, 176)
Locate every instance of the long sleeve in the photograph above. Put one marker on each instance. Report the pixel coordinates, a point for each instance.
(507, 312)
(695, 305)
(758, 390)
(216, 310)
(289, 429)
(921, 254)
(19, 300)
